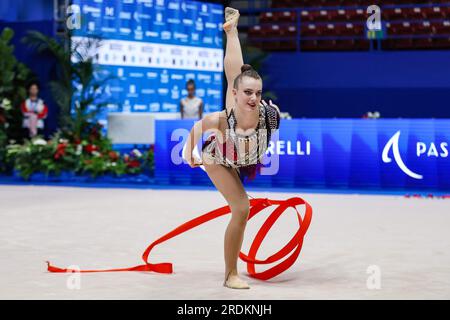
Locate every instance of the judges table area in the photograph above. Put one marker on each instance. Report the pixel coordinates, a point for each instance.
(396, 154)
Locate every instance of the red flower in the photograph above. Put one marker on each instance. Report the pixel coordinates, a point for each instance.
(77, 141)
(133, 164)
(90, 148)
(113, 155)
(60, 151)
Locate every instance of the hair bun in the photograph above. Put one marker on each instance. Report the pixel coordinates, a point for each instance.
(246, 67)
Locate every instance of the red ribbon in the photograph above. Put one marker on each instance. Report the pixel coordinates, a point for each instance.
(256, 205)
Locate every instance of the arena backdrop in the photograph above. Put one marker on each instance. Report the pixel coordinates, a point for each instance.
(153, 47)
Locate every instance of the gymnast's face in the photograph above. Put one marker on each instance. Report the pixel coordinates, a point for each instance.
(248, 94)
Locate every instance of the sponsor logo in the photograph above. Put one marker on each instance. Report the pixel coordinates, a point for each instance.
(155, 107)
(430, 150)
(109, 12)
(89, 9)
(125, 15)
(174, 6)
(393, 144)
(199, 24)
(282, 147)
(140, 107)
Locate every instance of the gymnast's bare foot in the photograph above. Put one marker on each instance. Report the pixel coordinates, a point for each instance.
(231, 19)
(233, 281)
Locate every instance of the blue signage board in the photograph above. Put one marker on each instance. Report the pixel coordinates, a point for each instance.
(151, 48)
(330, 153)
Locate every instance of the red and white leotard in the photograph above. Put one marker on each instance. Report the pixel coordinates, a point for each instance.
(244, 152)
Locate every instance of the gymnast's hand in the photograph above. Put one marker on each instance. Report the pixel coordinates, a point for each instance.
(194, 161)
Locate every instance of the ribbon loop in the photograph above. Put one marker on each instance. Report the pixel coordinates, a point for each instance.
(256, 205)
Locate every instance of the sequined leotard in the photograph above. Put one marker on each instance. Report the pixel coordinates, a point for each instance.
(243, 152)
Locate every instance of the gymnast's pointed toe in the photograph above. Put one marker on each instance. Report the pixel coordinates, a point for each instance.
(234, 282)
(231, 19)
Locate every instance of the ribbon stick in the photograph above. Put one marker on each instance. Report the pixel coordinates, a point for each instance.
(293, 247)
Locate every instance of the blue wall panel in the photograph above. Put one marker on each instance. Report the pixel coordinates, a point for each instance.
(346, 153)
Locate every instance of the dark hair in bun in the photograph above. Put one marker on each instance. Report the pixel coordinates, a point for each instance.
(246, 71)
(246, 67)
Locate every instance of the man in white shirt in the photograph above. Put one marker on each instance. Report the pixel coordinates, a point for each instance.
(191, 107)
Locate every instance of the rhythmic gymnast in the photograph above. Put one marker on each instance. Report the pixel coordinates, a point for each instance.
(239, 139)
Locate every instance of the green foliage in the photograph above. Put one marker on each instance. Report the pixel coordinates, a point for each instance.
(32, 156)
(13, 77)
(93, 155)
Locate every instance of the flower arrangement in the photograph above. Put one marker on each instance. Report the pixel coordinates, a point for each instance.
(92, 154)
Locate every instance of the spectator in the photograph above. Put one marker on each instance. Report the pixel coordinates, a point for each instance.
(34, 111)
(191, 107)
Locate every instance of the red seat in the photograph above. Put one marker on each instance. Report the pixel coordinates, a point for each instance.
(445, 11)
(350, 29)
(330, 3)
(330, 30)
(441, 27)
(319, 15)
(268, 17)
(423, 28)
(389, 28)
(341, 15)
(286, 16)
(433, 13)
(332, 15)
(308, 45)
(423, 43)
(441, 42)
(403, 28)
(305, 16)
(356, 15)
(406, 43)
(274, 31)
(290, 31)
(326, 45)
(413, 13)
(255, 31)
(309, 30)
(393, 14)
(345, 44)
(284, 3)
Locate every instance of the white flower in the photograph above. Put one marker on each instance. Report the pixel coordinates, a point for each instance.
(96, 153)
(39, 142)
(6, 104)
(79, 150)
(136, 153)
(65, 141)
(113, 164)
